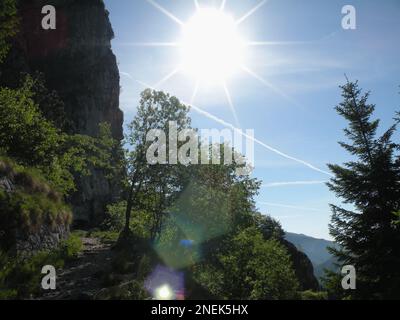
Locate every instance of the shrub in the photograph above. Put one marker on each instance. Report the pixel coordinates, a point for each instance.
(115, 217)
(105, 236)
(8, 25)
(251, 268)
(312, 295)
(31, 204)
(21, 277)
(71, 247)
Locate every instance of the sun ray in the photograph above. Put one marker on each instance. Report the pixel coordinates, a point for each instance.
(196, 4)
(274, 43)
(165, 11)
(245, 135)
(179, 44)
(231, 106)
(223, 5)
(248, 14)
(269, 85)
(167, 77)
(195, 90)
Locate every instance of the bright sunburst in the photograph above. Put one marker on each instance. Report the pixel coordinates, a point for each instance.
(212, 49)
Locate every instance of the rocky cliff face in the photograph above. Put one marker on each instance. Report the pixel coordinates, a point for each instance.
(77, 61)
(25, 228)
(302, 266)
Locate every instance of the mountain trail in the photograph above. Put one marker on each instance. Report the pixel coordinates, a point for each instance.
(81, 278)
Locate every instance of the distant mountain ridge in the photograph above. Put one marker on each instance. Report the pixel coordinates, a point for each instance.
(316, 250)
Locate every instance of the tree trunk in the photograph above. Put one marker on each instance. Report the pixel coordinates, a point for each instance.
(129, 206)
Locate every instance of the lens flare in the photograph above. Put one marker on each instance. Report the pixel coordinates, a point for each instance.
(165, 284)
(164, 293)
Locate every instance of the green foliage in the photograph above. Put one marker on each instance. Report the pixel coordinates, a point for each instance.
(153, 187)
(136, 291)
(132, 290)
(200, 219)
(105, 236)
(114, 221)
(76, 154)
(269, 227)
(8, 25)
(25, 135)
(312, 295)
(141, 223)
(115, 217)
(32, 210)
(32, 140)
(371, 183)
(202, 212)
(332, 284)
(31, 204)
(104, 153)
(20, 277)
(79, 233)
(396, 222)
(49, 103)
(71, 247)
(254, 268)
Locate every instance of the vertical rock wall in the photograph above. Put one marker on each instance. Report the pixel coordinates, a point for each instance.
(78, 62)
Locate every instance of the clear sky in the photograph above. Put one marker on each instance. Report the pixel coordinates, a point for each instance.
(289, 100)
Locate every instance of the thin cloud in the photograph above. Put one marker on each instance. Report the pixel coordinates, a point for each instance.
(289, 216)
(272, 204)
(126, 74)
(259, 142)
(293, 183)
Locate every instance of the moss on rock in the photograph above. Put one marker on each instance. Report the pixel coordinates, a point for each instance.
(30, 209)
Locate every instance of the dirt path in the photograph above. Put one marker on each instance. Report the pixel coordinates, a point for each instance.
(81, 278)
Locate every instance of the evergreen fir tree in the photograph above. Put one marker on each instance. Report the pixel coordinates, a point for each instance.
(366, 230)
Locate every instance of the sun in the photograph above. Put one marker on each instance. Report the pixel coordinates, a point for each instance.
(212, 49)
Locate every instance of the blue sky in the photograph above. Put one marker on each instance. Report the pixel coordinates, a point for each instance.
(298, 118)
